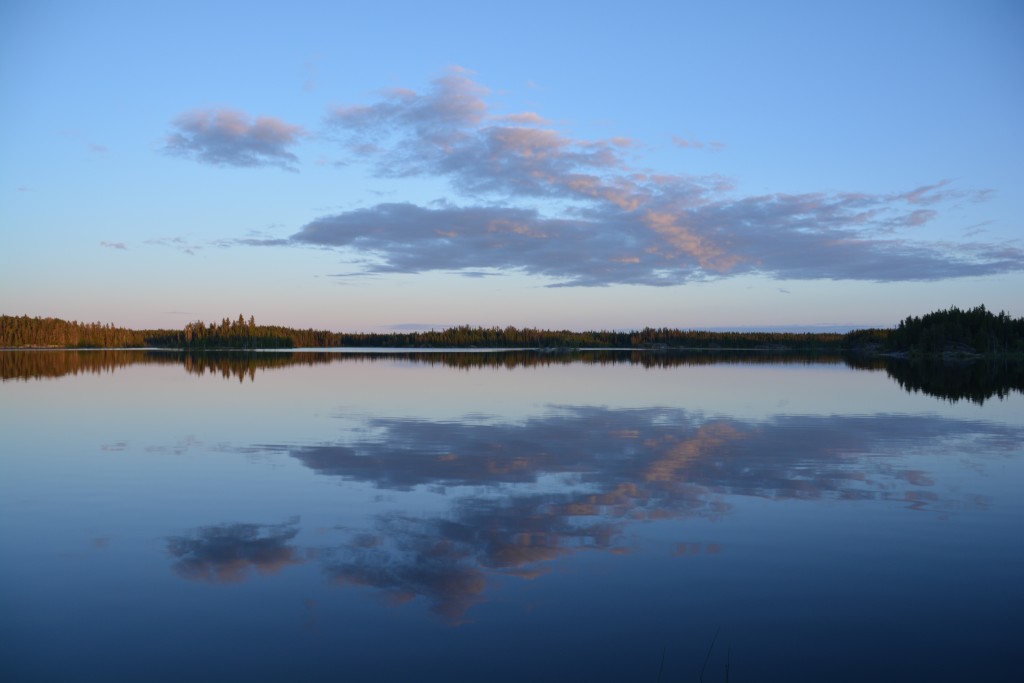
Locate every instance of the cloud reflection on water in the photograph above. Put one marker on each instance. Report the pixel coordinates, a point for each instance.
(524, 494)
(657, 450)
(225, 553)
(449, 559)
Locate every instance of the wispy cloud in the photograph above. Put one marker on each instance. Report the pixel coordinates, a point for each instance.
(311, 67)
(179, 243)
(113, 245)
(535, 200)
(224, 137)
(693, 143)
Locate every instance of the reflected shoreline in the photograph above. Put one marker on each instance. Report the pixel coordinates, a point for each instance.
(977, 381)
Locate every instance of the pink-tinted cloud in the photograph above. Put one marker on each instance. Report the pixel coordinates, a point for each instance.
(428, 125)
(224, 137)
(693, 143)
(523, 118)
(790, 237)
(536, 200)
(687, 144)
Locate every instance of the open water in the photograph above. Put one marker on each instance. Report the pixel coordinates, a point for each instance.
(507, 517)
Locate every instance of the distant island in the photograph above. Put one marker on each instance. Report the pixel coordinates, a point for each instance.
(950, 332)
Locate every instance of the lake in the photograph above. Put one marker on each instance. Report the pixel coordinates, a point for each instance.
(325, 516)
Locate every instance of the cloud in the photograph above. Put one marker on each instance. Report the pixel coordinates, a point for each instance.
(113, 245)
(179, 243)
(693, 143)
(788, 237)
(311, 67)
(534, 200)
(447, 131)
(224, 137)
(526, 118)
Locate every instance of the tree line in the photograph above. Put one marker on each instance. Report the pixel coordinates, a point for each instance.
(949, 331)
(242, 333)
(972, 331)
(23, 331)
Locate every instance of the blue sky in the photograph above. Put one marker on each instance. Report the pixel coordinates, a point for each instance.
(569, 165)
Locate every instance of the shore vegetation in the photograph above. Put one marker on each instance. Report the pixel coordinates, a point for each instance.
(954, 331)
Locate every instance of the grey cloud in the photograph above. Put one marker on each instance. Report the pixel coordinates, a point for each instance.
(537, 201)
(113, 245)
(612, 223)
(179, 243)
(423, 127)
(408, 238)
(443, 132)
(790, 237)
(257, 242)
(224, 137)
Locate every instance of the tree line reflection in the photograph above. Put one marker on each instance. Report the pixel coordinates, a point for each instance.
(520, 496)
(977, 381)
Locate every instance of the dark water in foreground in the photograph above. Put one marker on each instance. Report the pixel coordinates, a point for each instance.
(481, 517)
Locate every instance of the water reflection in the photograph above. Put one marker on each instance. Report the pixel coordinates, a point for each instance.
(583, 517)
(449, 560)
(243, 365)
(225, 553)
(976, 381)
(658, 450)
(520, 495)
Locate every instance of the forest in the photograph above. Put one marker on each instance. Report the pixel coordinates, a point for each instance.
(953, 331)
(975, 331)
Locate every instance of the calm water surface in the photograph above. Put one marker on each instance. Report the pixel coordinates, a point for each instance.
(485, 517)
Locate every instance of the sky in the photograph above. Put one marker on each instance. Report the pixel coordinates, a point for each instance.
(401, 166)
